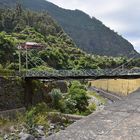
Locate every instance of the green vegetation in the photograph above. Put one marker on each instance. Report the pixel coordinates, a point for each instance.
(77, 94)
(59, 52)
(50, 114)
(30, 121)
(56, 96)
(75, 101)
(56, 55)
(89, 33)
(100, 98)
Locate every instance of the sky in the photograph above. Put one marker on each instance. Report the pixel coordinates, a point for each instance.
(123, 16)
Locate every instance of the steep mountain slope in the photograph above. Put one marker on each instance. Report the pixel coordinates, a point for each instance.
(19, 26)
(59, 52)
(88, 33)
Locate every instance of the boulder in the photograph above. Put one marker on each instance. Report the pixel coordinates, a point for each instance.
(24, 136)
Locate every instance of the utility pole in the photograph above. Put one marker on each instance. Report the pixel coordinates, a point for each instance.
(19, 51)
(26, 58)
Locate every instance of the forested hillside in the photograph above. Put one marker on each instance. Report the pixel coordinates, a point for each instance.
(59, 52)
(88, 33)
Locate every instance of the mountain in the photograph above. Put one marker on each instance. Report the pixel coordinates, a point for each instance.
(89, 34)
(18, 26)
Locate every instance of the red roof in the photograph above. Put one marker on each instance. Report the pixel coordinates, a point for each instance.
(30, 45)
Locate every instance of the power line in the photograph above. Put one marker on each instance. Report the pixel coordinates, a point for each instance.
(123, 64)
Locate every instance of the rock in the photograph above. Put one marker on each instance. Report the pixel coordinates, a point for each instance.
(41, 127)
(50, 133)
(12, 129)
(13, 134)
(62, 127)
(43, 138)
(24, 136)
(52, 126)
(40, 132)
(5, 136)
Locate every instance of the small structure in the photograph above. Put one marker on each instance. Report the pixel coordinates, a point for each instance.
(31, 45)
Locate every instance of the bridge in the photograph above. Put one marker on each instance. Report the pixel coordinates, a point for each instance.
(75, 74)
(84, 74)
(118, 72)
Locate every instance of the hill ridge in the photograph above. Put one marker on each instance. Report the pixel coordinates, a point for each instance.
(88, 33)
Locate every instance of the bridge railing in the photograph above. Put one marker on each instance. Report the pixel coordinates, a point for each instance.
(71, 73)
(90, 72)
(64, 73)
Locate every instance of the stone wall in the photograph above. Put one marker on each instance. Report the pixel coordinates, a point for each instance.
(11, 114)
(11, 94)
(41, 92)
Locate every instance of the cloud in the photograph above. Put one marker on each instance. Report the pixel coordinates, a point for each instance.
(136, 43)
(123, 16)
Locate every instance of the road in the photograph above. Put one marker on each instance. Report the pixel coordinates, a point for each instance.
(118, 121)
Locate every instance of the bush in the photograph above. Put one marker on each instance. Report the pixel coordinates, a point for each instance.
(92, 107)
(75, 101)
(30, 121)
(77, 93)
(3, 121)
(70, 106)
(35, 116)
(13, 66)
(41, 119)
(56, 96)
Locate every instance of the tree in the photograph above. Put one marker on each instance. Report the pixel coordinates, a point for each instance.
(7, 48)
(77, 93)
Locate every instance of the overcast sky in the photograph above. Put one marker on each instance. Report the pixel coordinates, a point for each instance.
(121, 15)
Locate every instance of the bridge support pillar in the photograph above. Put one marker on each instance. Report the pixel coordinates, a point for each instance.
(28, 98)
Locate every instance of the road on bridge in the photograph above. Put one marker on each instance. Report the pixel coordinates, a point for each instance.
(118, 121)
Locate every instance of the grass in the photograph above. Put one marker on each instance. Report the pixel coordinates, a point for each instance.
(100, 98)
(36, 116)
(119, 86)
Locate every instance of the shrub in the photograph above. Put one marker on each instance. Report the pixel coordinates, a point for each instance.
(30, 121)
(36, 116)
(41, 119)
(77, 93)
(40, 108)
(3, 121)
(70, 106)
(92, 107)
(56, 96)
(13, 66)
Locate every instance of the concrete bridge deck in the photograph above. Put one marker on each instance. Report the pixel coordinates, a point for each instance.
(118, 121)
